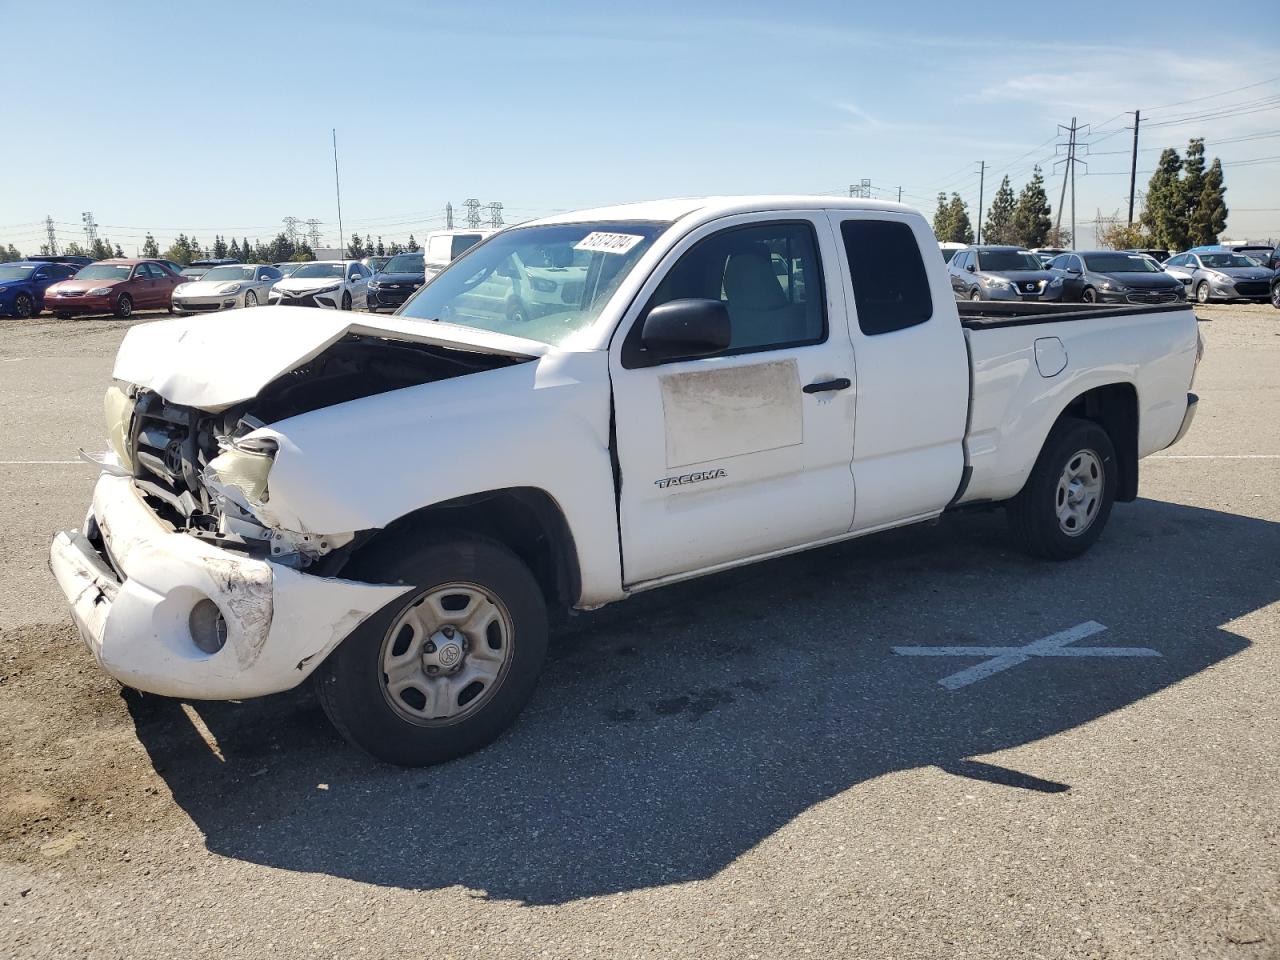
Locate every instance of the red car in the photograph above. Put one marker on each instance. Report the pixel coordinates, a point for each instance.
(114, 286)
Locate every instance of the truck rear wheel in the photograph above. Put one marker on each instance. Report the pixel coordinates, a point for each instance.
(1067, 500)
(445, 669)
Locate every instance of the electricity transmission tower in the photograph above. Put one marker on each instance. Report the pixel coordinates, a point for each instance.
(313, 233)
(473, 212)
(495, 215)
(52, 234)
(90, 227)
(1073, 146)
(291, 229)
(861, 189)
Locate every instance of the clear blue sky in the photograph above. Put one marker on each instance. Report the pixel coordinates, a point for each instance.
(216, 117)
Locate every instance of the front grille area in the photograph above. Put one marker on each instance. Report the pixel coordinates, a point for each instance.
(1153, 296)
(194, 307)
(302, 300)
(170, 446)
(1252, 288)
(391, 298)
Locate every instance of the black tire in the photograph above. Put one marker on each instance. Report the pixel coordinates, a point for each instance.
(63, 315)
(124, 307)
(24, 306)
(1089, 295)
(350, 683)
(250, 299)
(1033, 513)
(1275, 294)
(346, 299)
(975, 295)
(1202, 292)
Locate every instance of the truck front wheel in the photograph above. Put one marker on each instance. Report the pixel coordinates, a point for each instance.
(444, 669)
(1067, 499)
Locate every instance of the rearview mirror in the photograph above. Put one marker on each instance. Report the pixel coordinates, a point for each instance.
(684, 329)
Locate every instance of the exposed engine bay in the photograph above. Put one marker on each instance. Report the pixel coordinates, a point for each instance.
(202, 473)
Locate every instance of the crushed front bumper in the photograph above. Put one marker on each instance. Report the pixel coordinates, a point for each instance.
(132, 601)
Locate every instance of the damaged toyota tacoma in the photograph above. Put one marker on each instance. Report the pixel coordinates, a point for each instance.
(575, 410)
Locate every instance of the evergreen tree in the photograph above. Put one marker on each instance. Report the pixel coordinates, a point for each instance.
(368, 245)
(1210, 217)
(355, 249)
(412, 245)
(233, 251)
(999, 225)
(395, 248)
(219, 248)
(1162, 213)
(119, 251)
(381, 250)
(941, 219)
(247, 252)
(961, 228)
(1031, 221)
(149, 246)
(9, 254)
(303, 252)
(102, 250)
(1192, 183)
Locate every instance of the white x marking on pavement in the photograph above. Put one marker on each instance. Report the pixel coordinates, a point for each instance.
(1002, 658)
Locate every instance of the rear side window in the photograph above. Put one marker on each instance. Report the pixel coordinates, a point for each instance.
(890, 286)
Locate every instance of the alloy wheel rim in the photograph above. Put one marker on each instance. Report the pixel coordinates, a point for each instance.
(446, 654)
(23, 306)
(250, 299)
(1079, 492)
(126, 306)
(1202, 293)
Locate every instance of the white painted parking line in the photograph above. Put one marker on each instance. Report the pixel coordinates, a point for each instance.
(42, 463)
(1002, 658)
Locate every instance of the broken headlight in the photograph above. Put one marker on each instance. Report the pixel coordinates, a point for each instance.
(119, 404)
(244, 464)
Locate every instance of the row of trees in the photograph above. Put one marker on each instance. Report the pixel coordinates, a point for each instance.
(1022, 219)
(358, 248)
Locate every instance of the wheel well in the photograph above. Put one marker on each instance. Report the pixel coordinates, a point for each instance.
(1114, 408)
(524, 519)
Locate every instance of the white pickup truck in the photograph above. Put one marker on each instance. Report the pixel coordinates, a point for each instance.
(396, 504)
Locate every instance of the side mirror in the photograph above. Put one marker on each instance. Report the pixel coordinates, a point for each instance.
(1072, 271)
(971, 268)
(685, 329)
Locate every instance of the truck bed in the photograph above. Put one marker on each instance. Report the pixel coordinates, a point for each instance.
(989, 314)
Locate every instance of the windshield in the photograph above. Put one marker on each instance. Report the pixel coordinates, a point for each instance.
(541, 283)
(404, 263)
(229, 273)
(105, 271)
(289, 269)
(11, 271)
(1008, 260)
(1225, 260)
(948, 254)
(1121, 263)
(312, 270)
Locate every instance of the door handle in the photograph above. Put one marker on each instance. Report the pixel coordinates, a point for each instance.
(823, 386)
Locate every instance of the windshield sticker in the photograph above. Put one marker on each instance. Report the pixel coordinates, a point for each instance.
(608, 242)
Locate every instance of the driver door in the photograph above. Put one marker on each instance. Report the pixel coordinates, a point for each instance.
(747, 451)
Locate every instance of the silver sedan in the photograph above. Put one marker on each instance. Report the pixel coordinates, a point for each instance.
(226, 287)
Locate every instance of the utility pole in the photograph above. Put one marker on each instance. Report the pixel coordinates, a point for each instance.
(899, 194)
(473, 212)
(337, 191)
(1133, 165)
(982, 182)
(448, 216)
(52, 234)
(1072, 160)
(495, 215)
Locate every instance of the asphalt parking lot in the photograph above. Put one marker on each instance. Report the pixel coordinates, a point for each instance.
(763, 763)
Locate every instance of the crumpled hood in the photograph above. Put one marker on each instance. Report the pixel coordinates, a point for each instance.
(214, 362)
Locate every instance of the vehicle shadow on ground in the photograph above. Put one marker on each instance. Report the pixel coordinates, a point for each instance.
(674, 732)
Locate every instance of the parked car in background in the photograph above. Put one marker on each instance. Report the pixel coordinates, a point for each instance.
(949, 249)
(227, 287)
(24, 282)
(1155, 253)
(289, 266)
(376, 263)
(1264, 253)
(396, 281)
(1221, 275)
(334, 284)
(1002, 273)
(444, 246)
(118, 286)
(192, 272)
(72, 259)
(1114, 276)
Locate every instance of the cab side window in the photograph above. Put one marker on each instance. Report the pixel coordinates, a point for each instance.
(768, 277)
(890, 286)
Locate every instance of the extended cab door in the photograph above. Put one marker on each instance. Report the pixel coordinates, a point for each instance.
(913, 367)
(747, 451)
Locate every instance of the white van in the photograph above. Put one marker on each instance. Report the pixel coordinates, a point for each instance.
(443, 246)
